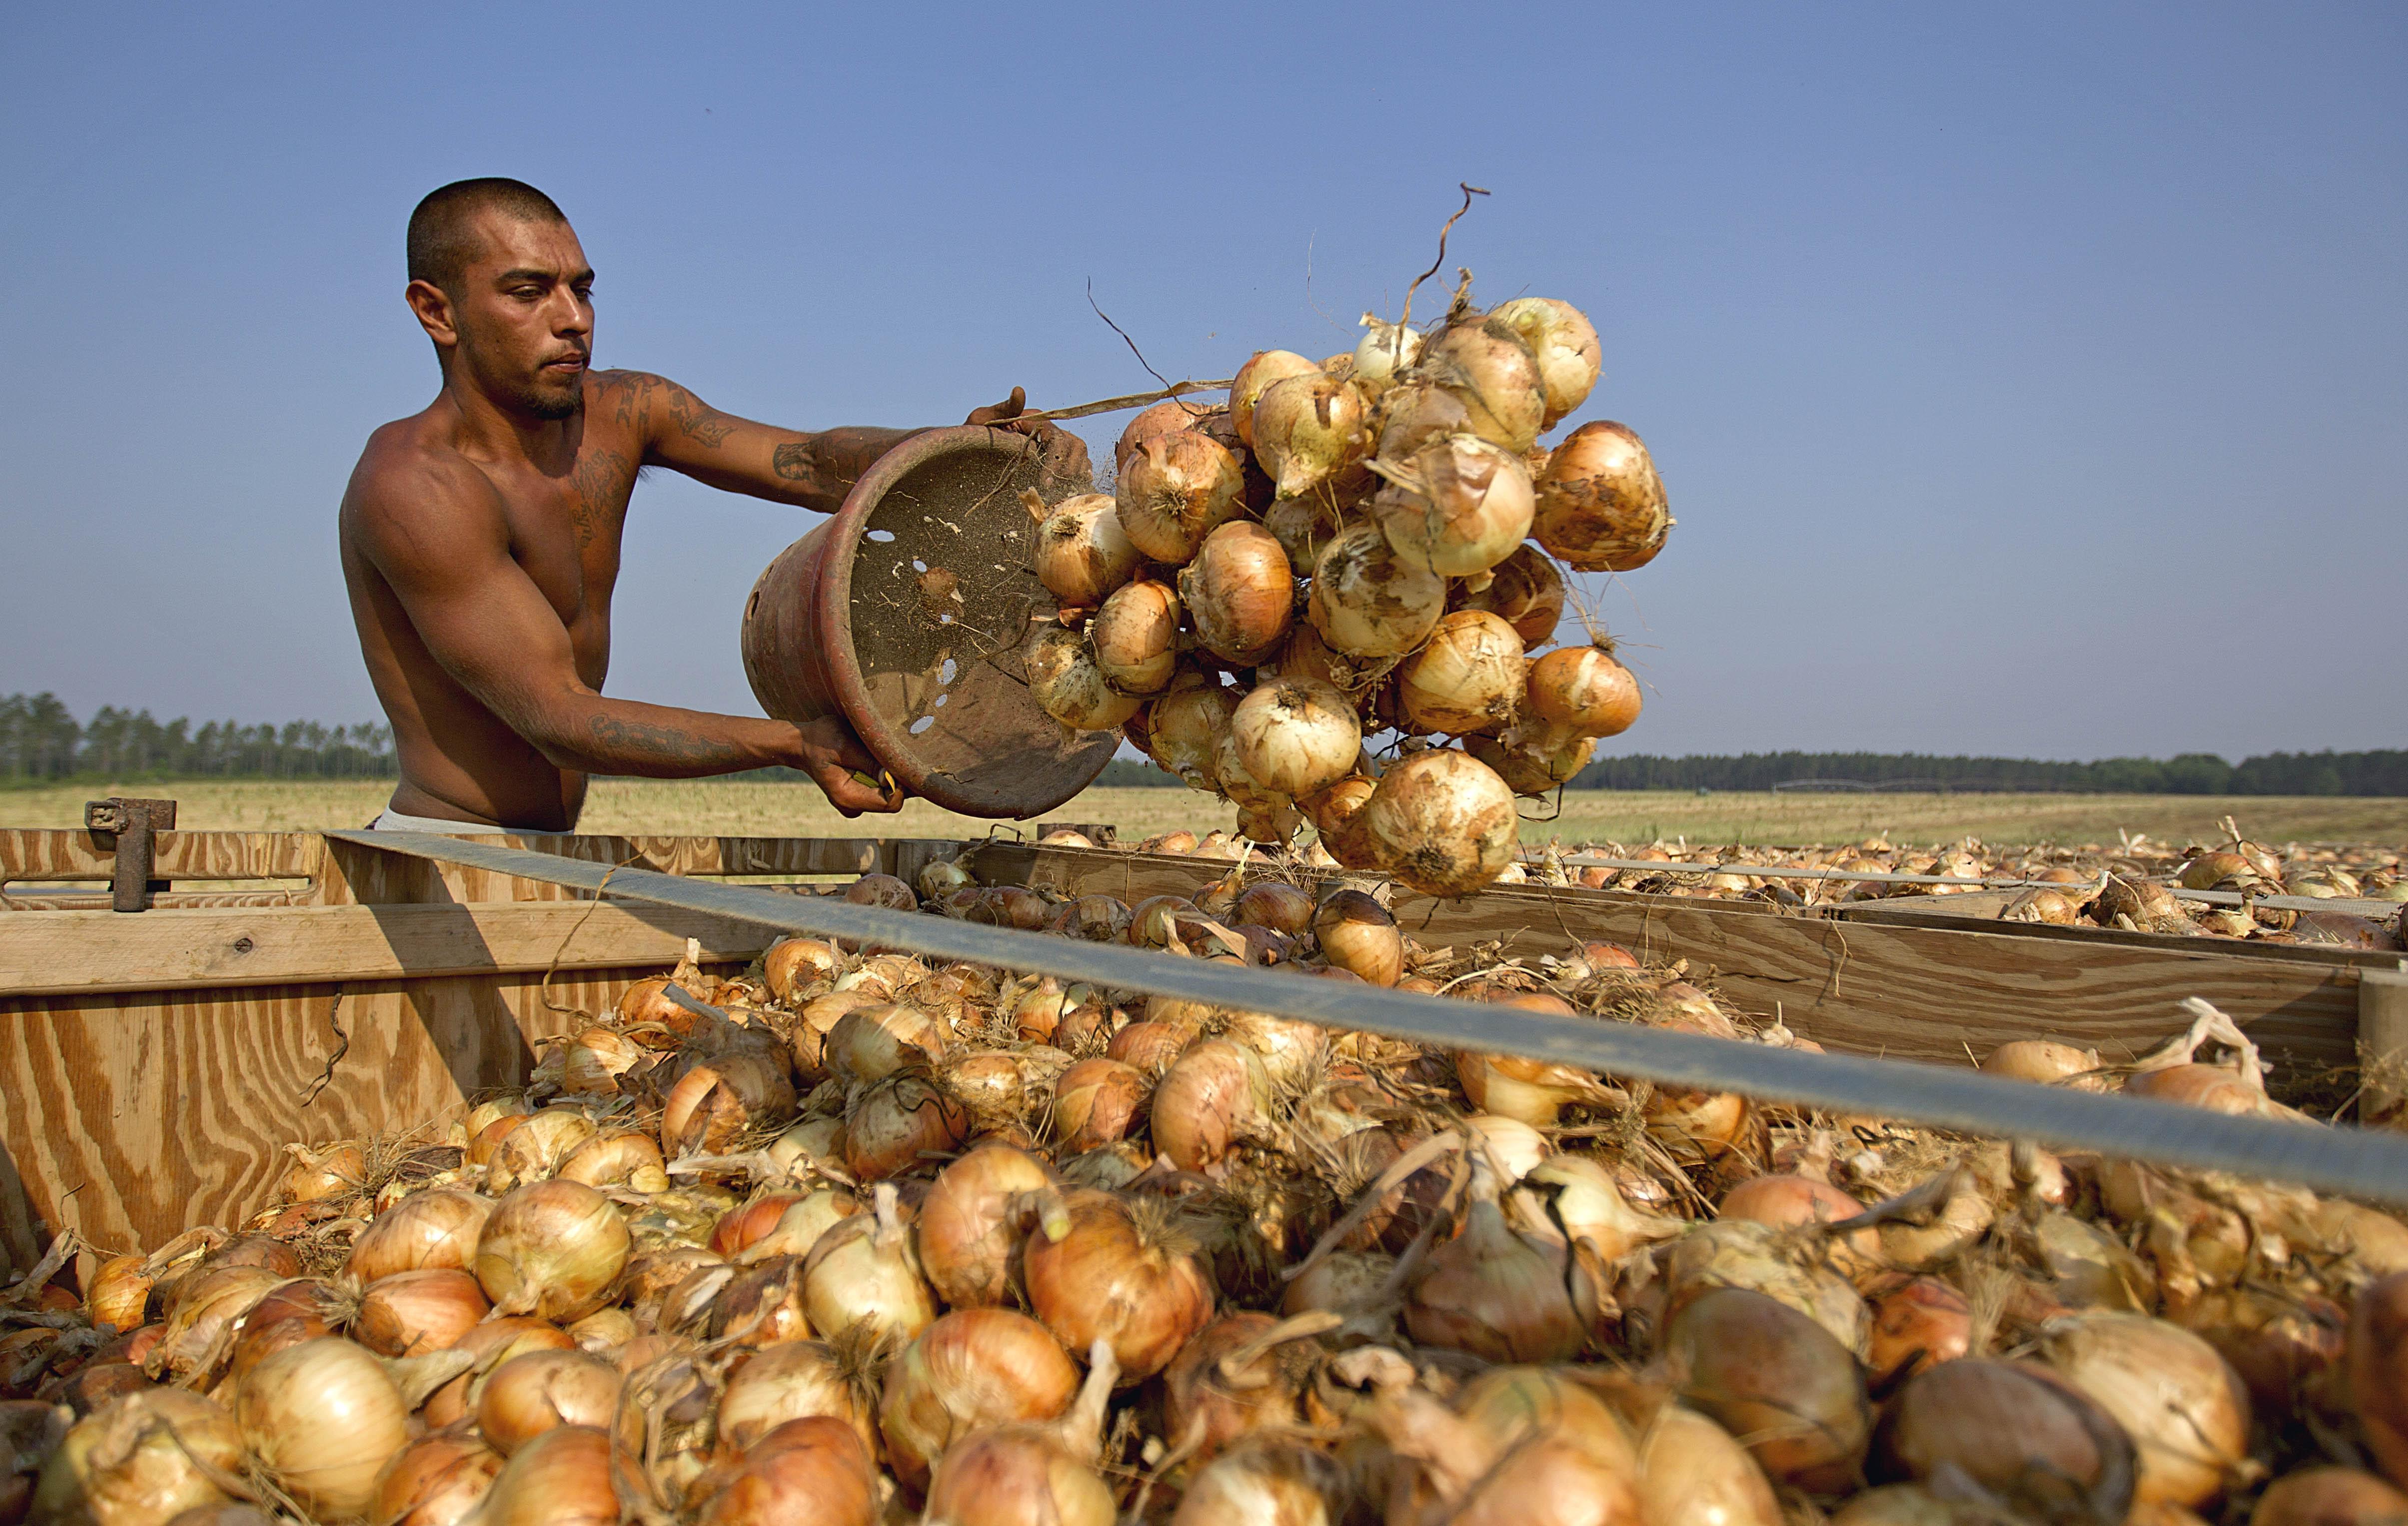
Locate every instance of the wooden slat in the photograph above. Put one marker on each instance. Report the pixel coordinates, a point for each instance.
(1910, 992)
(67, 953)
(49, 853)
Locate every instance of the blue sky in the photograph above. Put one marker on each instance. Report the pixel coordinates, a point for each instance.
(2025, 381)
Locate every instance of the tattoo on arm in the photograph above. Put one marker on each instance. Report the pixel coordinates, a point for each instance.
(703, 424)
(795, 462)
(666, 743)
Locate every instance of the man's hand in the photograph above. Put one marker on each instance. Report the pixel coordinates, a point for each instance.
(1065, 454)
(833, 757)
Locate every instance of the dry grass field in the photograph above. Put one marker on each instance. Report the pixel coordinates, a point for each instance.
(747, 809)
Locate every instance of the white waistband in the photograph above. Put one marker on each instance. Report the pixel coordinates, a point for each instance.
(394, 821)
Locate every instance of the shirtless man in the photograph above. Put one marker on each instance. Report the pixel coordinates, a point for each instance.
(480, 538)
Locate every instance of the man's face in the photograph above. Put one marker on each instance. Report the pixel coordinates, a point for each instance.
(524, 316)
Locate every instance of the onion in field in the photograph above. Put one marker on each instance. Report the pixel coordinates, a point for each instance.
(1526, 592)
(1081, 554)
(1466, 678)
(1062, 678)
(1368, 601)
(1135, 637)
(1441, 822)
(1176, 489)
(1187, 725)
(1241, 593)
(1600, 505)
(1385, 352)
(1582, 690)
(1294, 735)
(1308, 429)
(1491, 371)
(1262, 370)
(1458, 505)
(1565, 342)
(324, 1418)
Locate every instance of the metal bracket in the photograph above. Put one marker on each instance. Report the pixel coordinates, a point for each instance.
(128, 829)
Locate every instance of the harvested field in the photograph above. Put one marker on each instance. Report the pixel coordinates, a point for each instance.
(733, 808)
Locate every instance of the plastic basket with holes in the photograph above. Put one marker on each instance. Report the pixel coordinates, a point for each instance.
(907, 614)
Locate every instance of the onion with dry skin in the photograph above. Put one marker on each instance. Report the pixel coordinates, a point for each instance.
(792, 963)
(1776, 1380)
(1584, 691)
(1358, 935)
(1366, 599)
(1457, 507)
(140, 1461)
(537, 1391)
(1309, 430)
(2039, 1443)
(794, 1381)
(1525, 590)
(1241, 593)
(551, 1248)
(1175, 490)
(1135, 637)
(895, 1124)
(2183, 1408)
(1081, 552)
(1031, 1474)
(410, 1313)
(430, 1229)
(1488, 367)
(866, 1271)
(972, 1368)
(1096, 1101)
(324, 1418)
(563, 1478)
(971, 1222)
(1210, 1100)
(814, 1469)
(1185, 727)
(1468, 677)
(1441, 821)
(436, 1480)
(1693, 1473)
(1384, 353)
(1533, 759)
(2328, 1496)
(1121, 1274)
(1921, 1322)
(1263, 369)
(1066, 682)
(1496, 1292)
(1295, 736)
(1565, 344)
(1600, 505)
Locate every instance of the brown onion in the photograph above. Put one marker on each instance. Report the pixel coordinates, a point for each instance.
(410, 1313)
(1564, 342)
(436, 1480)
(1367, 601)
(1184, 728)
(1526, 593)
(866, 1271)
(1135, 637)
(2039, 1060)
(1584, 691)
(1589, 1202)
(1777, 1380)
(815, 1469)
(1166, 417)
(1121, 1274)
(1232, 1379)
(973, 1220)
(895, 1125)
(209, 1306)
(552, 1250)
(335, 1171)
(1496, 1293)
(118, 1293)
(1488, 367)
(1295, 736)
(1208, 1100)
(1266, 1482)
(1241, 591)
(1176, 489)
(2013, 1429)
(1263, 369)
(563, 1478)
(871, 1043)
(1921, 1322)
(972, 1368)
(537, 1391)
(490, 1345)
(1785, 1200)
(1081, 552)
(2328, 1496)
(794, 1381)
(1469, 676)
(324, 1418)
(1535, 759)
(1600, 505)
(1441, 822)
(717, 1100)
(1097, 1102)
(430, 1229)
(793, 963)
(622, 1158)
(534, 1150)
(1456, 507)
(1358, 934)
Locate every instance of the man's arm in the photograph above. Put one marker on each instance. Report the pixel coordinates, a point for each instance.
(447, 558)
(681, 431)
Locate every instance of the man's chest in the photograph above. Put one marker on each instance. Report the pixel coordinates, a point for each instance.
(565, 528)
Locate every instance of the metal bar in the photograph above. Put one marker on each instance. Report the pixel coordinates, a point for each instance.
(2337, 1159)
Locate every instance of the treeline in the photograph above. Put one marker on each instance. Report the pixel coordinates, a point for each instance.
(2384, 773)
(40, 740)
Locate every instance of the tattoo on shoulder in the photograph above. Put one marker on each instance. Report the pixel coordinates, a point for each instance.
(666, 743)
(630, 394)
(703, 424)
(794, 463)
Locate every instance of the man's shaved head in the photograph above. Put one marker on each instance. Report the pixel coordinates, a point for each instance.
(443, 229)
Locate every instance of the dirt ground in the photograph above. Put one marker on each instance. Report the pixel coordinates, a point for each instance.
(749, 810)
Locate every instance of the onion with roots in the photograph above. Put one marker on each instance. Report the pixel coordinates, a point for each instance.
(1466, 678)
(1241, 593)
(1582, 690)
(1082, 554)
(1441, 821)
(1208, 1100)
(1525, 590)
(1121, 1275)
(1263, 369)
(973, 1368)
(1064, 679)
(1385, 352)
(1457, 507)
(1487, 367)
(1565, 344)
(1135, 636)
(1308, 429)
(973, 1219)
(1366, 599)
(1175, 490)
(1187, 725)
(1600, 505)
(1097, 1102)
(1295, 736)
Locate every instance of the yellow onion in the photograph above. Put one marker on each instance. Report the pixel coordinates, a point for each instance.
(864, 1272)
(2183, 1408)
(324, 1418)
(1384, 353)
(1184, 728)
(1302, 526)
(1031, 1474)
(537, 1391)
(436, 1480)
(1693, 1473)
(1066, 682)
(118, 1292)
(1413, 414)
(1565, 342)
(1209, 1101)
(1288, 1049)
(1264, 814)
(871, 1043)
(1266, 1482)
(533, 1150)
(1600, 505)
(335, 1171)
(1533, 759)
(895, 1124)
(1457, 507)
(1921, 1322)
(815, 1469)
(716, 1102)
(2212, 1087)
(410, 1313)
(140, 1460)
(1743, 1253)
(1525, 590)
(1441, 821)
(2377, 1358)
(595, 1060)
(2328, 1496)
(1263, 369)
(430, 1229)
(1166, 417)
(208, 1306)
(604, 1331)
(1081, 552)
(1096, 1101)
(793, 963)
(1357, 933)
(1492, 372)
(1175, 490)
(490, 1345)
(1543, 1475)
(1496, 1293)
(1308, 428)
(1531, 1092)
(1368, 600)
(1276, 905)
(1242, 1373)
(1294, 735)
(551, 1248)
(622, 1157)
(1334, 811)
(1121, 1274)
(973, 1220)
(1778, 1382)
(1785, 1201)
(2039, 1060)
(1148, 1047)
(799, 1223)
(1468, 677)
(2039, 1443)
(563, 1478)
(795, 1381)
(1589, 1202)
(1135, 637)
(1584, 691)
(972, 1368)
(1241, 591)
